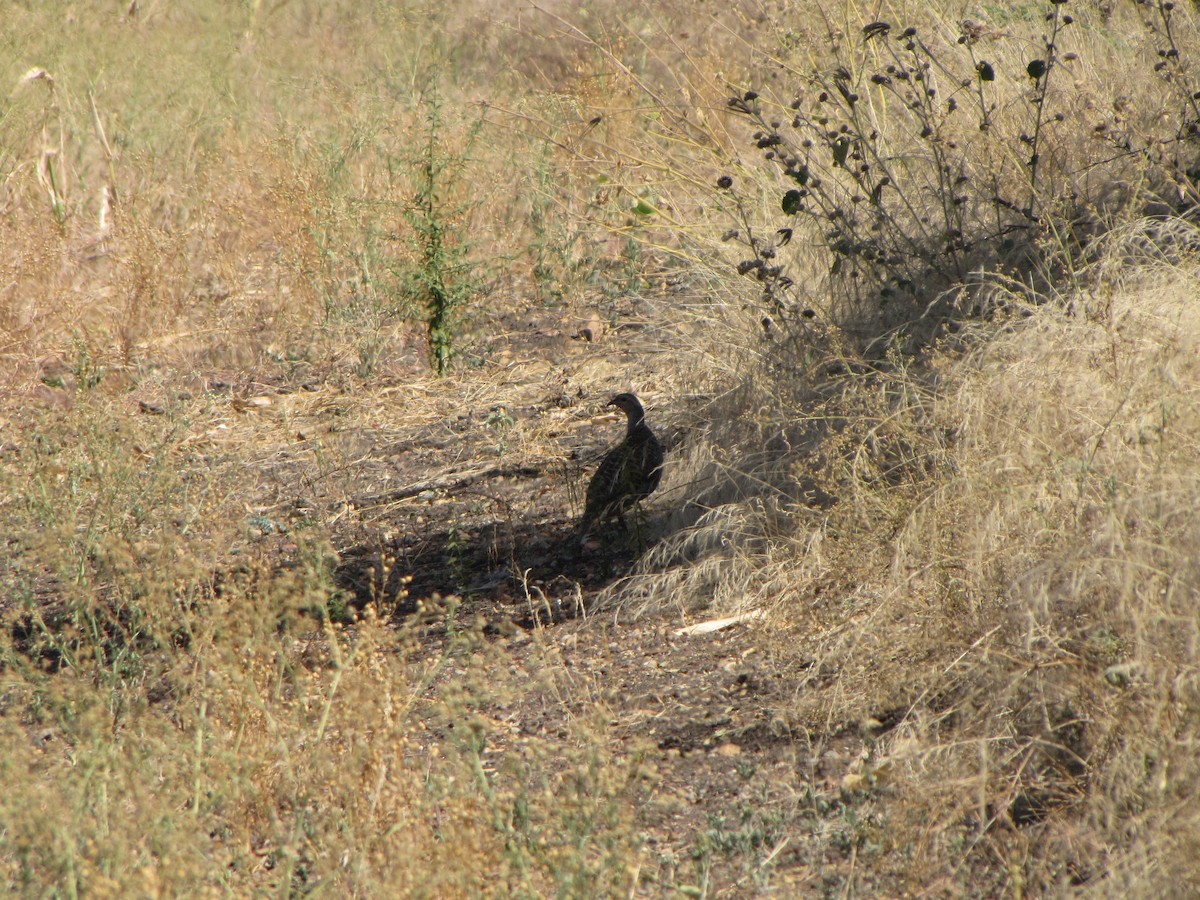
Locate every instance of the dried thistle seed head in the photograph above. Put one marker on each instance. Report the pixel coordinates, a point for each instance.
(725, 182)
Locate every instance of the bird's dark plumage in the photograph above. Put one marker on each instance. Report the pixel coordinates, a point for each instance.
(631, 470)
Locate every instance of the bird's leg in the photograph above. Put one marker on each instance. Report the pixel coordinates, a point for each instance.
(639, 528)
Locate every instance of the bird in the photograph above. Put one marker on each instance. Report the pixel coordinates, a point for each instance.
(629, 472)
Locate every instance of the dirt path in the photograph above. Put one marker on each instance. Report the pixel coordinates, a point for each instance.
(468, 487)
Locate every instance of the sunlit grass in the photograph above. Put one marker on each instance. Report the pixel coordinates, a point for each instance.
(971, 538)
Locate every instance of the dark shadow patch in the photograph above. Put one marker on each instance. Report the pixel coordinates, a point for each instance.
(507, 572)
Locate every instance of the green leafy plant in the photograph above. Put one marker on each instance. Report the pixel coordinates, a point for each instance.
(443, 277)
(500, 420)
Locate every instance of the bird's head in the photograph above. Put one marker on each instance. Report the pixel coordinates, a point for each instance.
(631, 406)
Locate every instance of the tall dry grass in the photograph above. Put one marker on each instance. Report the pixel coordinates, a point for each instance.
(1063, 548)
(227, 185)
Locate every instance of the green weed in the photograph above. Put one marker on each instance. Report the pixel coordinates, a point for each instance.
(443, 277)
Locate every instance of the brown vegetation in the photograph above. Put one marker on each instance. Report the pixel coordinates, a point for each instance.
(913, 312)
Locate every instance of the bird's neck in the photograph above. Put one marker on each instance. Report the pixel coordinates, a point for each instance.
(635, 421)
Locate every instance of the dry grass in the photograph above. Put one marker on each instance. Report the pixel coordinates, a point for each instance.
(1066, 544)
(973, 537)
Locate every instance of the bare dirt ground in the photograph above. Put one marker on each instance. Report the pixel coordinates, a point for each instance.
(468, 488)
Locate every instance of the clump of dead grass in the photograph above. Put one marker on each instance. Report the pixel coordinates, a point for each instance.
(1029, 647)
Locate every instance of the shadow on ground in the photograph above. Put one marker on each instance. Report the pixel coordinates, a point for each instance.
(511, 573)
